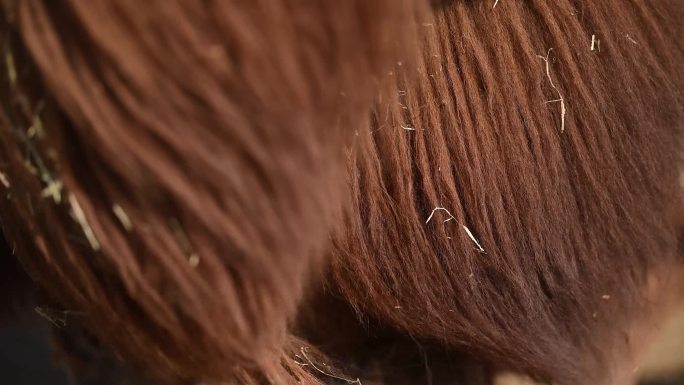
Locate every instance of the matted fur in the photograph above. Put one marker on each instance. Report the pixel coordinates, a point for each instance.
(176, 172)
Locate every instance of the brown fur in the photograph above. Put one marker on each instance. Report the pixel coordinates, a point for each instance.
(177, 170)
(570, 218)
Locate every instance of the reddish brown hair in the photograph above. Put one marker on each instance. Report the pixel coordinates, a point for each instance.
(510, 200)
(177, 169)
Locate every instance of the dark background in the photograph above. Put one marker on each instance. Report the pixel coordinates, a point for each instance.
(25, 357)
